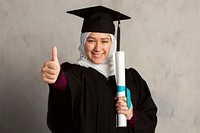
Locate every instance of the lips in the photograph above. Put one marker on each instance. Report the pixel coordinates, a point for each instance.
(97, 55)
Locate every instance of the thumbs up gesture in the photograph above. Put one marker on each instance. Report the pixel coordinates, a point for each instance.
(51, 69)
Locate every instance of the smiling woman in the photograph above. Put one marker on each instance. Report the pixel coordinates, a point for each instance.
(82, 95)
(97, 47)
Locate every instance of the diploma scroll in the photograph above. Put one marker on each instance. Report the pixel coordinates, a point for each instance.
(120, 80)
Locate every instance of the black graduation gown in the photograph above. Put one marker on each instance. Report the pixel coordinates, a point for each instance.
(88, 105)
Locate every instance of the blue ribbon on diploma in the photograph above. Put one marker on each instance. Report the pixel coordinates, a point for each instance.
(128, 94)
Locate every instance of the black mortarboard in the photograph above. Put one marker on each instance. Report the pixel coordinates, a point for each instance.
(100, 19)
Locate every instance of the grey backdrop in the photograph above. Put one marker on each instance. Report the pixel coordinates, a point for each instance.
(161, 41)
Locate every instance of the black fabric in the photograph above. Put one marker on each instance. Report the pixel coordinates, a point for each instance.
(88, 105)
(98, 22)
(98, 19)
(85, 12)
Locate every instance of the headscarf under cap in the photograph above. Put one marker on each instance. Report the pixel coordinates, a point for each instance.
(107, 66)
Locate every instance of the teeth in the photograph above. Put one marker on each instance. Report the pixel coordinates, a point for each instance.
(97, 55)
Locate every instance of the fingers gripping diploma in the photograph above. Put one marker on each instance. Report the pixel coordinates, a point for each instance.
(122, 107)
(51, 69)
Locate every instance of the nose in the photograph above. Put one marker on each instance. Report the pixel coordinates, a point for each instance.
(98, 46)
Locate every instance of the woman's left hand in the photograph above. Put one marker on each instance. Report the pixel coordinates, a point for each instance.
(122, 107)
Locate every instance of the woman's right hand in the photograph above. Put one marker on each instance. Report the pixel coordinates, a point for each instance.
(51, 69)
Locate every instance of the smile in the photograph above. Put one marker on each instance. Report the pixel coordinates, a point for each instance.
(97, 55)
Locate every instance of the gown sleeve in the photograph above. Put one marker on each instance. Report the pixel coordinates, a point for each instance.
(145, 109)
(60, 117)
(61, 83)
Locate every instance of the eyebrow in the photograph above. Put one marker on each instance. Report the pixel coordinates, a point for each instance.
(90, 37)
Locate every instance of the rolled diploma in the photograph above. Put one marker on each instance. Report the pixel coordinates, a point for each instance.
(120, 80)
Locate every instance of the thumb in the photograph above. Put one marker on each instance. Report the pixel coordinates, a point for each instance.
(54, 54)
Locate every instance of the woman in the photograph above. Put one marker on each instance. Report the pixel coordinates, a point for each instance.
(82, 95)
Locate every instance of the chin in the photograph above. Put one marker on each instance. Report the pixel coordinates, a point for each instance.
(97, 62)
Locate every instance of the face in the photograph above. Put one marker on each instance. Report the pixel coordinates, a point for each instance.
(97, 47)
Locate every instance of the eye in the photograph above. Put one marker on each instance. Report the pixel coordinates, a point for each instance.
(105, 41)
(90, 40)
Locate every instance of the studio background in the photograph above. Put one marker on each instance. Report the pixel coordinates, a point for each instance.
(161, 41)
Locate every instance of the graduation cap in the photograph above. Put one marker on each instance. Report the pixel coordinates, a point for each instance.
(100, 19)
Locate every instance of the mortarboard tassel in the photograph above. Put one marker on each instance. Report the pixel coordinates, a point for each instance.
(118, 36)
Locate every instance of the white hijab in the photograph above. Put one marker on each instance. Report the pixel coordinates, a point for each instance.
(107, 66)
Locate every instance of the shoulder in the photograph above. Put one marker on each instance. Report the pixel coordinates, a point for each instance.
(80, 71)
(131, 72)
(69, 67)
(133, 77)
